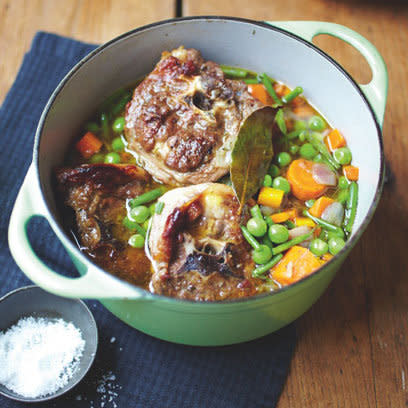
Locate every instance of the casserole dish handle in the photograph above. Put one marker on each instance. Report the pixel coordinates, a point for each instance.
(376, 90)
(92, 284)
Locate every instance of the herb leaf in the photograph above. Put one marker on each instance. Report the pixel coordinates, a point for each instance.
(252, 154)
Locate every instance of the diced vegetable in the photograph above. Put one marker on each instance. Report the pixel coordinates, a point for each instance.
(88, 145)
(270, 197)
(259, 92)
(351, 207)
(300, 177)
(268, 85)
(283, 216)
(292, 94)
(304, 221)
(334, 140)
(297, 263)
(320, 205)
(333, 213)
(351, 172)
(307, 151)
(323, 175)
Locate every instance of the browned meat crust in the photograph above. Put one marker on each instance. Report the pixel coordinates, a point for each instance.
(196, 245)
(98, 193)
(184, 118)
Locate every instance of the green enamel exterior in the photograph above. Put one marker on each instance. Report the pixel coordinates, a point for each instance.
(193, 323)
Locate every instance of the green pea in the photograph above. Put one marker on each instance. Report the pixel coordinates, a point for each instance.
(293, 149)
(112, 158)
(307, 151)
(336, 244)
(300, 125)
(280, 183)
(97, 158)
(318, 247)
(136, 241)
(262, 254)
(139, 214)
(267, 181)
(283, 159)
(117, 144)
(274, 170)
(118, 124)
(257, 227)
(342, 155)
(278, 233)
(343, 182)
(302, 136)
(310, 203)
(317, 123)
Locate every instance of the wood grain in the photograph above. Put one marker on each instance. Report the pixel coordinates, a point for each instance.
(86, 20)
(353, 347)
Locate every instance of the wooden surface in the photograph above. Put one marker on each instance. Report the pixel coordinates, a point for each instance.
(353, 348)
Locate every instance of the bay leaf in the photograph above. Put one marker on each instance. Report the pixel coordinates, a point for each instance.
(252, 154)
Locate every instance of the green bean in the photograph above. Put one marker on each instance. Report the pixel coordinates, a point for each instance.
(324, 224)
(256, 212)
(159, 207)
(105, 126)
(258, 272)
(107, 104)
(268, 85)
(147, 197)
(292, 94)
(351, 206)
(120, 105)
(250, 81)
(234, 71)
(92, 127)
(248, 236)
(322, 149)
(280, 120)
(290, 224)
(283, 247)
(294, 134)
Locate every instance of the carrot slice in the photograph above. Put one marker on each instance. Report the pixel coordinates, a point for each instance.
(88, 145)
(259, 92)
(297, 263)
(351, 172)
(300, 177)
(283, 216)
(334, 140)
(320, 205)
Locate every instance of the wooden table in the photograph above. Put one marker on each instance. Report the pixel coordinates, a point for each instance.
(353, 348)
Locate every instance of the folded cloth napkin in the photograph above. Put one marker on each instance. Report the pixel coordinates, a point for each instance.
(131, 369)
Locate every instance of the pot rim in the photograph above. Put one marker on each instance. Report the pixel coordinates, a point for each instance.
(145, 293)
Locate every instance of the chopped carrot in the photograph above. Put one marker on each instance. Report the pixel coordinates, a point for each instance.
(283, 216)
(297, 263)
(271, 197)
(301, 180)
(320, 205)
(259, 92)
(88, 145)
(304, 221)
(334, 140)
(351, 172)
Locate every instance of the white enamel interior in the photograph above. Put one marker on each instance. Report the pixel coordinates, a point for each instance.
(230, 42)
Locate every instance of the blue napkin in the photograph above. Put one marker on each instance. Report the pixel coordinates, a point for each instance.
(131, 369)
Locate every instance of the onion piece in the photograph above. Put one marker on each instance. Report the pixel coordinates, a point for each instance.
(322, 174)
(298, 231)
(333, 214)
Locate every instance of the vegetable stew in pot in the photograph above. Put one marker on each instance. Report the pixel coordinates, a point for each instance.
(208, 182)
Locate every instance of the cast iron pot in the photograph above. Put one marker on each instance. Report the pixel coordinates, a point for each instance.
(282, 49)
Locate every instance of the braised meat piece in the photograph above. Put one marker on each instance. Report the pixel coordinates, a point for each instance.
(97, 193)
(184, 118)
(196, 246)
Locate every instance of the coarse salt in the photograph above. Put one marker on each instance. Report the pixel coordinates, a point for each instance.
(38, 356)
